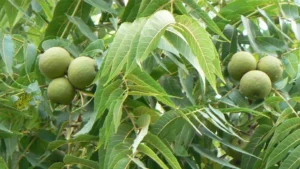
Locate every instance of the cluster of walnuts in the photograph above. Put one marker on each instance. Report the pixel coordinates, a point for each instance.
(255, 78)
(67, 73)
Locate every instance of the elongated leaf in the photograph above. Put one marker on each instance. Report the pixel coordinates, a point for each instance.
(3, 164)
(152, 32)
(292, 161)
(60, 25)
(30, 53)
(101, 4)
(139, 138)
(201, 46)
(283, 147)
(117, 111)
(153, 6)
(141, 78)
(199, 13)
(154, 141)
(150, 153)
(118, 153)
(207, 154)
(7, 53)
(85, 30)
(254, 146)
(123, 163)
(70, 159)
(58, 165)
(101, 97)
(122, 134)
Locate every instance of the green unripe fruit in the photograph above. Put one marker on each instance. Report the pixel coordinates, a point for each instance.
(143, 120)
(255, 84)
(271, 66)
(54, 62)
(241, 63)
(82, 72)
(239, 143)
(61, 91)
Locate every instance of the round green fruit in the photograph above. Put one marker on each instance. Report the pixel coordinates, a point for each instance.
(143, 120)
(271, 66)
(82, 72)
(54, 62)
(239, 143)
(241, 63)
(61, 91)
(255, 84)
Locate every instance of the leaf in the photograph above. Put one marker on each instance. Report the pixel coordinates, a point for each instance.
(70, 159)
(292, 161)
(119, 152)
(60, 24)
(153, 6)
(117, 110)
(143, 79)
(254, 146)
(152, 32)
(58, 165)
(85, 30)
(202, 47)
(122, 134)
(101, 4)
(30, 53)
(142, 133)
(199, 13)
(68, 45)
(7, 53)
(143, 148)
(101, 96)
(123, 163)
(46, 9)
(131, 11)
(252, 32)
(290, 62)
(207, 154)
(283, 147)
(3, 165)
(154, 141)
(96, 46)
(122, 47)
(55, 144)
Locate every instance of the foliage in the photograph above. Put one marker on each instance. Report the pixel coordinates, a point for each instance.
(166, 59)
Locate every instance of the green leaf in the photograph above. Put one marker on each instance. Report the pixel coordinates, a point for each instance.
(202, 47)
(252, 33)
(117, 110)
(154, 141)
(30, 53)
(283, 148)
(254, 146)
(290, 63)
(95, 47)
(3, 165)
(101, 4)
(70, 159)
(270, 44)
(153, 6)
(292, 161)
(55, 144)
(60, 25)
(58, 165)
(85, 30)
(101, 97)
(209, 155)
(46, 9)
(131, 11)
(119, 152)
(142, 133)
(144, 80)
(199, 13)
(123, 163)
(143, 148)
(122, 134)
(7, 53)
(152, 32)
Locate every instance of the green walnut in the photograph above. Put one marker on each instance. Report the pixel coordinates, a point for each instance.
(271, 66)
(82, 72)
(61, 91)
(241, 63)
(255, 84)
(239, 143)
(54, 62)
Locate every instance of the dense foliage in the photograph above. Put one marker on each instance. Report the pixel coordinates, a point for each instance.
(162, 96)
